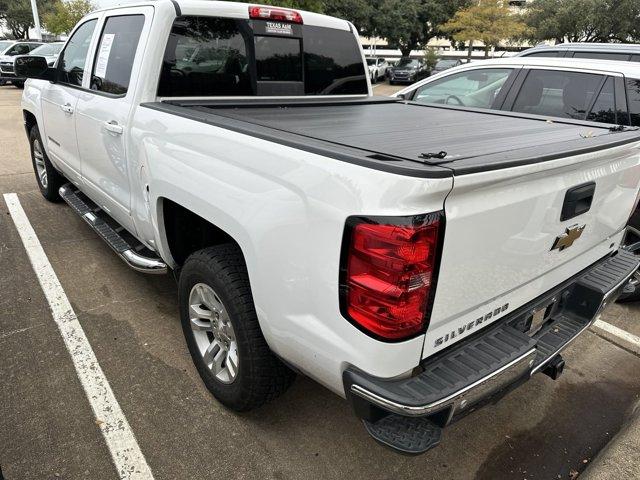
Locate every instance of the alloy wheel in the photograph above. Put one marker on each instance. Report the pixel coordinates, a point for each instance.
(213, 332)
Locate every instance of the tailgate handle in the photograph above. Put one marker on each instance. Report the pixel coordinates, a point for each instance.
(577, 200)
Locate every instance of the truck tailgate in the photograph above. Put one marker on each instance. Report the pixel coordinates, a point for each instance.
(502, 225)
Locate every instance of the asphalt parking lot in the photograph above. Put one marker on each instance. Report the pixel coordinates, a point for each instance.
(543, 430)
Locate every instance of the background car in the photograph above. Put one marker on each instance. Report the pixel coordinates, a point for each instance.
(577, 89)
(6, 60)
(602, 51)
(445, 64)
(408, 70)
(377, 68)
(4, 45)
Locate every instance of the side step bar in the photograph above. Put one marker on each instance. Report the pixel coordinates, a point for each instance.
(121, 241)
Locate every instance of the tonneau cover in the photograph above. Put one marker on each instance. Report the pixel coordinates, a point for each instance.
(392, 130)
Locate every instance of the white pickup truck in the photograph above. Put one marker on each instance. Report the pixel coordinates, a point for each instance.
(417, 260)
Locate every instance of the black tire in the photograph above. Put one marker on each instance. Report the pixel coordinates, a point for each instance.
(261, 376)
(53, 180)
(18, 83)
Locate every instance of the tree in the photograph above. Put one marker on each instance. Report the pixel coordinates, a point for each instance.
(18, 17)
(583, 20)
(431, 57)
(410, 24)
(361, 13)
(65, 15)
(490, 21)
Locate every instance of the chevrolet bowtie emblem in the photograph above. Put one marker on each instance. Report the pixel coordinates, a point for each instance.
(566, 239)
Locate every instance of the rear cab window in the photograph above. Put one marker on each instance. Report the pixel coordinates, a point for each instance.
(212, 56)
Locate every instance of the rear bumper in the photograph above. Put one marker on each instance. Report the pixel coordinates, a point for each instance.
(497, 358)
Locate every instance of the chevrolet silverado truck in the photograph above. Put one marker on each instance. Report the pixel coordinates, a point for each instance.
(418, 260)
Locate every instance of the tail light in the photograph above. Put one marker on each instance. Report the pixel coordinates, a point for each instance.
(388, 273)
(278, 14)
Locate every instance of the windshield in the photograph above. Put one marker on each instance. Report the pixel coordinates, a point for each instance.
(47, 49)
(446, 63)
(407, 62)
(4, 45)
(211, 56)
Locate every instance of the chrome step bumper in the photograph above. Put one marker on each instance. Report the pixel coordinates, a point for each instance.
(121, 241)
(488, 364)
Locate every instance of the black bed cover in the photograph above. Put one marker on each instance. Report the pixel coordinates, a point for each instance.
(405, 137)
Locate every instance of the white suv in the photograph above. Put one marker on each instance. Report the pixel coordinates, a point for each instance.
(377, 68)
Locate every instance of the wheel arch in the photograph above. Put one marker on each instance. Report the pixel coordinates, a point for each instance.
(186, 232)
(30, 120)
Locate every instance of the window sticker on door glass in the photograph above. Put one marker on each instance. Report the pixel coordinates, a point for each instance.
(103, 55)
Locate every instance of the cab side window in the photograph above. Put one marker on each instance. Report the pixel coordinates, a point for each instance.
(604, 108)
(116, 52)
(73, 58)
(558, 93)
(474, 88)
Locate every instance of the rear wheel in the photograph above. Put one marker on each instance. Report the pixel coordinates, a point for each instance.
(222, 332)
(48, 178)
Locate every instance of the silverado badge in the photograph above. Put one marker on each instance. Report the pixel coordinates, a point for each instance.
(566, 239)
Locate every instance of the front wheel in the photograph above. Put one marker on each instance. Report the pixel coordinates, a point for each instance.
(221, 328)
(18, 83)
(48, 178)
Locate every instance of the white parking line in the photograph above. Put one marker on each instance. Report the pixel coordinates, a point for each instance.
(621, 337)
(124, 449)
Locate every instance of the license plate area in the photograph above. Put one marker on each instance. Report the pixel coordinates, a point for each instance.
(540, 316)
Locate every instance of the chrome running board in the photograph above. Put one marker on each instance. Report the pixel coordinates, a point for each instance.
(119, 239)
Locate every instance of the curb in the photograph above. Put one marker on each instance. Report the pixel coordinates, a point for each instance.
(620, 458)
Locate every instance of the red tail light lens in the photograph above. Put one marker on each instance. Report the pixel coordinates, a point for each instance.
(278, 14)
(389, 268)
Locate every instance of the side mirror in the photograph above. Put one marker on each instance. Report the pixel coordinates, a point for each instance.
(29, 66)
(402, 96)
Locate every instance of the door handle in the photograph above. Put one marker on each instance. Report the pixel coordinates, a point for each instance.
(67, 108)
(113, 127)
